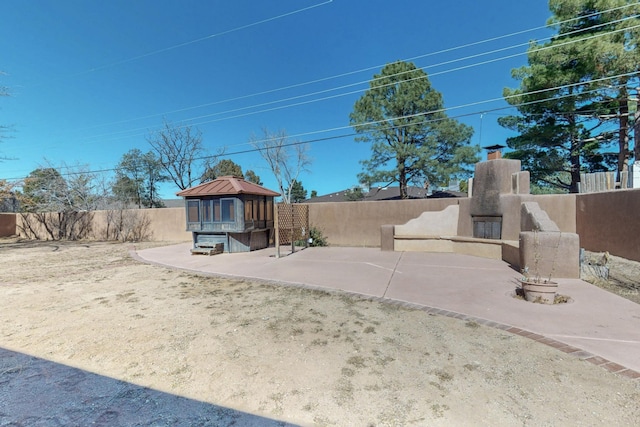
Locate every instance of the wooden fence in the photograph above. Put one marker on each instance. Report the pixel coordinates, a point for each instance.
(602, 181)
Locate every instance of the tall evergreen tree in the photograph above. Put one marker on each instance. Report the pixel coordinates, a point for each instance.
(224, 167)
(298, 193)
(572, 89)
(412, 139)
(252, 177)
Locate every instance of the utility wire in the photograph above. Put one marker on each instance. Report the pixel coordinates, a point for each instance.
(198, 40)
(325, 98)
(466, 105)
(464, 46)
(351, 134)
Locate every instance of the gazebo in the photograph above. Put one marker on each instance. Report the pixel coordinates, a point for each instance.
(229, 214)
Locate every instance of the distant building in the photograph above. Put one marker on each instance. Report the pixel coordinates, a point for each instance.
(384, 193)
(173, 203)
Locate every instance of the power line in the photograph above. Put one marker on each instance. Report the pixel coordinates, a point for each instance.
(296, 104)
(198, 40)
(463, 106)
(294, 143)
(393, 83)
(464, 46)
(442, 110)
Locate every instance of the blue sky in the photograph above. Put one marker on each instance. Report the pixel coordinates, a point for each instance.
(90, 79)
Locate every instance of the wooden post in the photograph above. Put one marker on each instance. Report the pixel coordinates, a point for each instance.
(277, 228)
(293, 224)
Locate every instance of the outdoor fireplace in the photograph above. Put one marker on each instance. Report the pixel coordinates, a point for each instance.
(487, 227)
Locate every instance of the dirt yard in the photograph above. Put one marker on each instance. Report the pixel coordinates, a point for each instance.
(307, 357)
(612, 273)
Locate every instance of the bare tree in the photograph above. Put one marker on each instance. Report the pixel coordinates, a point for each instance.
(126, 225)
(286, 159)
(55, 207)
(180, 151)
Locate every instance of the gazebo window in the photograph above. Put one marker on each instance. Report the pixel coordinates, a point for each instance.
(228, 211)
(206, 211)
(193, 211)
(248, 210)
(216, 211)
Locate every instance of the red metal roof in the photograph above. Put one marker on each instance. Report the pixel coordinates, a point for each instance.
(227, 185)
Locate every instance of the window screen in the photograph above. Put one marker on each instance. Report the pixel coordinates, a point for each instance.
(206, 210)
(248, 210)
(216, 211)
(270, 210)
(193, 211)
(228, 213)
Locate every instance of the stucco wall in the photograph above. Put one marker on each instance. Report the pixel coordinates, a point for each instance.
(561, 208)
(438, 223)
(358, 223)
(609, 221)
(7, 224)
(605, 221)
(166, 225)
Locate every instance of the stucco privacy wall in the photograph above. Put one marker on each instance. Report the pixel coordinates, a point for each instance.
(605, 221)
(166, 224)
(610, 221)
(440, 223)
(358, 223)
(561, 209)
(7, 224)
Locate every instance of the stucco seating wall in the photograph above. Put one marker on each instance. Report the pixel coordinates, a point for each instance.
(544, 250)
(444, 222)
(506, 250)
(438, 232)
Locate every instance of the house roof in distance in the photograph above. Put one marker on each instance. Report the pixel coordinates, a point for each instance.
(374, 194)
(226, 186)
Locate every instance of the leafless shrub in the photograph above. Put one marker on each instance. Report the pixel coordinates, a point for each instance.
(127, 225)
(66, 225)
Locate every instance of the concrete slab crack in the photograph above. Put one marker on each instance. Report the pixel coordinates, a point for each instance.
(393, 272)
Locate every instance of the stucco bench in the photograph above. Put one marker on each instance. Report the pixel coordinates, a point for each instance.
(437, 232)
(506, 250)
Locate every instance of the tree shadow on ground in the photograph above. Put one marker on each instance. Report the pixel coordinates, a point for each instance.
(38, 392)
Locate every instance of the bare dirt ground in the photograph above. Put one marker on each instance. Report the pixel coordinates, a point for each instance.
(618, 275)
(307, 357)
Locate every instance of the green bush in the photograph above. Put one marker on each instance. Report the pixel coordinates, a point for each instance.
(317, 236)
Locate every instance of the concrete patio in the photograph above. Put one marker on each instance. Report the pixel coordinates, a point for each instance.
(595, 325)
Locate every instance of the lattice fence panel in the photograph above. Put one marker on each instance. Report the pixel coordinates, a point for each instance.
(293, 222)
